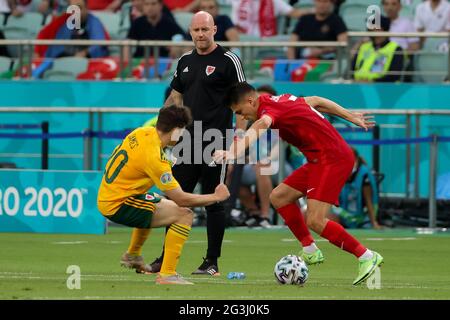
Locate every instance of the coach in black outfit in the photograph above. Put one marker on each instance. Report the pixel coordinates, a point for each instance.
(200, 82)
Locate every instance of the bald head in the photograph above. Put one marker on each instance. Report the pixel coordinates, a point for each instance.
(202, 32)
(203, 17)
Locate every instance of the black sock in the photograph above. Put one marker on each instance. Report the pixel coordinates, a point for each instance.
(162, 253)
(215, 231)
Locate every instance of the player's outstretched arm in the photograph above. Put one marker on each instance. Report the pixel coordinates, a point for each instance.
(237, 149)
(186, 199)
(361, 119)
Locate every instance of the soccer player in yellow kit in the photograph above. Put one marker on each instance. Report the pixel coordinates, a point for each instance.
(136, 165)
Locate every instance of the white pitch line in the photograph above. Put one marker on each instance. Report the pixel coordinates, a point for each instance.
(70, 242)
(150, 278)
(234, 298)
(391, 239)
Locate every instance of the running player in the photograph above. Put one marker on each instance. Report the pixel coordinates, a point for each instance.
(136, 165)
(320, 180)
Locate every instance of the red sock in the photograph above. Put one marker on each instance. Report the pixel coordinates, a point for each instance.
(336, 234)
(293, 217)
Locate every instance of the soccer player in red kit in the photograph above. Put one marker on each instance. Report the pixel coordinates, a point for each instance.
(330, 163)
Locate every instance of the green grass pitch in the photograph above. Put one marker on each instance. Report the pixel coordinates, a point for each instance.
(33, 266)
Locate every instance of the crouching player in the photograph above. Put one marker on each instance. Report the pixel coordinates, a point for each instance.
(136, 165)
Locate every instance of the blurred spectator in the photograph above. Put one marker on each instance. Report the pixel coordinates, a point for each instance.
(181, 5)
(90, 29)
(392, 10)
(323, 25)
(259, 17)
(358, 199)
(3, 49)
(25, 5)
(4, 6)
(433, 16)
(136, 9)
(53, 7)
(104, 5)
(22, 6)
(226, 31)
(154, 25)
(378, 57)
(9, 7)
(337, 4)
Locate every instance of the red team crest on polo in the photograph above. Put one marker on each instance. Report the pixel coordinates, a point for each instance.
(210, 70)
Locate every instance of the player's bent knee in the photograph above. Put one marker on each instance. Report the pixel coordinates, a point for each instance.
(314, 222)
(185, 216)
(276, 198)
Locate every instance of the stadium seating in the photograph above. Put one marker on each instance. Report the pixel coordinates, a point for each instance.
(433, 59)
(333, 74)
(225, 9)
(124, 20)
(111, 22)
(5, 64)
(354, 16)
(432, 67)
(183, 19)
(59, 76)
(274, 52)
(66, 68)
(409, 10)
(29, 24)
(2, 20)
(21, 28)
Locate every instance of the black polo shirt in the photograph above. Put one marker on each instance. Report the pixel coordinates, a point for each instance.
(165, 29)
(308, 28)
(223, 23)
(204, 80)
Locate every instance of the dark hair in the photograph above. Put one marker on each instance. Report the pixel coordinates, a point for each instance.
(236, 92)
(172, 116)
(267, 88)
(385, 24)
(399, 1)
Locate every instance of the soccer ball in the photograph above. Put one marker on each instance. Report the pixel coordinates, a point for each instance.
(291, 269)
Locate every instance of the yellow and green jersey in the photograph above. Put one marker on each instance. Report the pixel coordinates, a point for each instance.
(136, 165)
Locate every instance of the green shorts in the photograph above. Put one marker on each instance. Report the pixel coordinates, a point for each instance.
(137, 211)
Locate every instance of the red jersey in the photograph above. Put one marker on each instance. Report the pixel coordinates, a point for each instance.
(304, 127)
(172, 4)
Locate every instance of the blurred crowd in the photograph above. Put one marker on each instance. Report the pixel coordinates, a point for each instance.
(375, 59)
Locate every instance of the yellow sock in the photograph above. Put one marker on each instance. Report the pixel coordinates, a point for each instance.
(138, 238)
(173, 244)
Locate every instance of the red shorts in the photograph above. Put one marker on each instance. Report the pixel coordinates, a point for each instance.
(320, 181)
